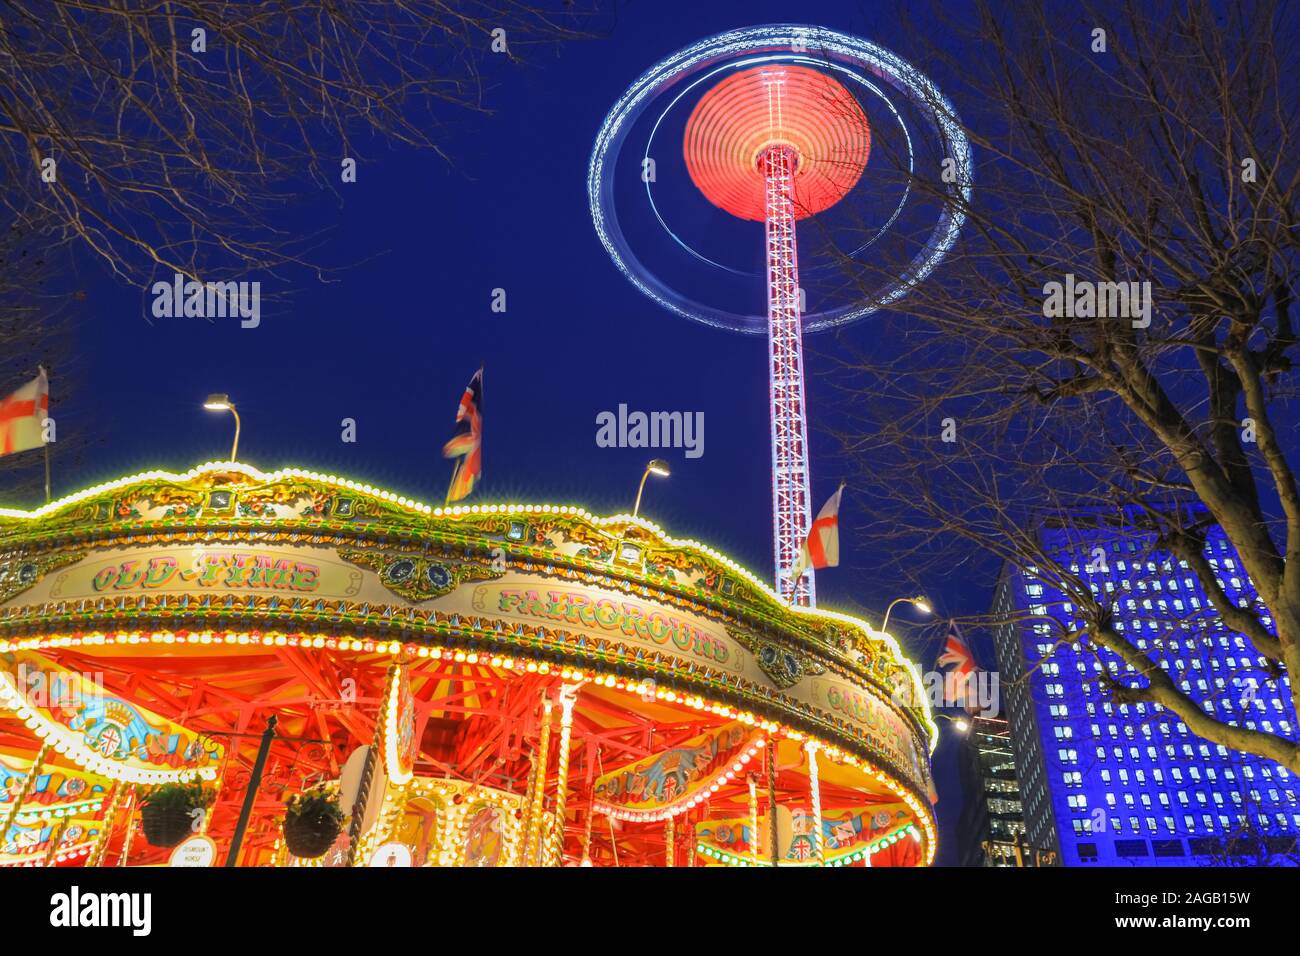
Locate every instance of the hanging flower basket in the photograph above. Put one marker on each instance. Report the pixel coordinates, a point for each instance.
(312, 822)
(167, 813)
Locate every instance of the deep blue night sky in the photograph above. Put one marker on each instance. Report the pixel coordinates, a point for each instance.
(392, 338)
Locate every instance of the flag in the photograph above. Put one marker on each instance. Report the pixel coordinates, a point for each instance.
(957, 654)
(821, 549)
(468, 441)
(22, 416)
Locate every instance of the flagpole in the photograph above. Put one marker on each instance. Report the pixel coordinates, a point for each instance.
(446, 501)
(44, 440)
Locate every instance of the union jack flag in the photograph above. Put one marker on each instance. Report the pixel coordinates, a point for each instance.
(957, 654)
(467, 445)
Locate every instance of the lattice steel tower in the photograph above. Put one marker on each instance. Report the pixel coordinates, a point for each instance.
(779, 144)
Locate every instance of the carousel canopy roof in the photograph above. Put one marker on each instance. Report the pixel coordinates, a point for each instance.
(221, 504)
(162, 580)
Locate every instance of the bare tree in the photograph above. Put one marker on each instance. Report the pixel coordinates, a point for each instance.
(167, 136)
(1255, 844)
(1161, 150)
(37, 310)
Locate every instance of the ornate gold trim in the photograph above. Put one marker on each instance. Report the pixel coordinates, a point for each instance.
(20, 573)
(784, 665)
(417, 578)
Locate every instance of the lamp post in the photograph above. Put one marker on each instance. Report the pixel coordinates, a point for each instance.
(919, 602)
(218, 402)
(254, 781)
(656, 467)
(960, 724)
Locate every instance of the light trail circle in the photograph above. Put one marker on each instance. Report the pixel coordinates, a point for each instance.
(754, 46)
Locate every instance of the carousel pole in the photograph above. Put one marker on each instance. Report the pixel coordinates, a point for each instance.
(29, 783)
(586, 837)
(526, 810)
(532, 836)
(568, 697)
(771, 800)
(669, 837)
(106, 833)
(132, 821)
(360, 804)
(613, 839)
(55, 840)
(586, 826)
(819, 848)
(753, 817)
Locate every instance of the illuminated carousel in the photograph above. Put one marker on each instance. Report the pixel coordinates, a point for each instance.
(291, 669)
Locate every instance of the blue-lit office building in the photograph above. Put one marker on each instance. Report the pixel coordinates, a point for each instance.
(1118, 785)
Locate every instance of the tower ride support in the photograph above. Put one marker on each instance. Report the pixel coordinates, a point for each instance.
(791, 506)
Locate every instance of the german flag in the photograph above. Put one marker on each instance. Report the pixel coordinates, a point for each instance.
(467, 444)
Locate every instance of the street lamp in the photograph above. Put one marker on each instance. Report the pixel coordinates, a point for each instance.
(656, 467)
(919, 602)
(218, 402)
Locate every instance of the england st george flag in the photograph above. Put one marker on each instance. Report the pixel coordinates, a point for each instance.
(22, 416)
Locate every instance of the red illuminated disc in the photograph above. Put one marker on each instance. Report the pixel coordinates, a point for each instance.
(734, 122)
